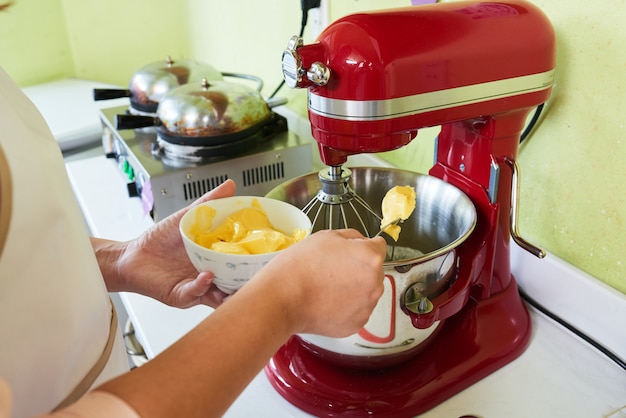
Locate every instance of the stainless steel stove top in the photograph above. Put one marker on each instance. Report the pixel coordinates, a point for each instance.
(167, 184)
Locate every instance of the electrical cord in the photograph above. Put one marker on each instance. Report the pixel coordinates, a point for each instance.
(282, 83)
(532, 123)
(307, 5)
(595, 344)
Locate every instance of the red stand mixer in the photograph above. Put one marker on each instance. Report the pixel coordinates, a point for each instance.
(477, 69)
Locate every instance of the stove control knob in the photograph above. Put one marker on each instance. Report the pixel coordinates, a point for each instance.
(133, 190)
(292, 63)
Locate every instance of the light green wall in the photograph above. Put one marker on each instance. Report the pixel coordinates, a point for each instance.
(574, 166)
(243, 36)
(111, 39)
(34, 46)
(91, 39)
(573, 187)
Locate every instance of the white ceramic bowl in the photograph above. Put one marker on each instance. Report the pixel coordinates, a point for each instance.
(232, 271)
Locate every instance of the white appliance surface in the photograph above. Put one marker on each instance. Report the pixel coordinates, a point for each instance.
(559, 375)
(68, 107)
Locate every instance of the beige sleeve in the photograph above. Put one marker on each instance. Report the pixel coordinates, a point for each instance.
(96, 404)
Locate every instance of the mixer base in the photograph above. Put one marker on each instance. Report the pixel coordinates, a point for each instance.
(481, 338)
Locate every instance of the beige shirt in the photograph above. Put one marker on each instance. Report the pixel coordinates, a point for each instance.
(55, 310)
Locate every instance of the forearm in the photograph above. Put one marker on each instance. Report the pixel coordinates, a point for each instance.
(96, 404)
(202, 374)
(108, 253)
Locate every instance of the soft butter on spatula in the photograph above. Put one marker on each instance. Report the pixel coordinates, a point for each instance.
(398, 204)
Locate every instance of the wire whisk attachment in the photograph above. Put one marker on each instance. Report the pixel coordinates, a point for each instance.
(337, 206)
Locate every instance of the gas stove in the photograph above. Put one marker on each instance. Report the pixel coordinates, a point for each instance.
(166, 183)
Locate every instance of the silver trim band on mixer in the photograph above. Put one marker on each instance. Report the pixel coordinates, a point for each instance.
(370, 110)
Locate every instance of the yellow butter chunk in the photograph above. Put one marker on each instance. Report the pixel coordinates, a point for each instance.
(247, 231)
(398, 203)
(265, 241)
(203, 220)
(228, 247)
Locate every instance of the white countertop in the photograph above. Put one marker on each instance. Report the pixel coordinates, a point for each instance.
(68, 107)
(559, 375)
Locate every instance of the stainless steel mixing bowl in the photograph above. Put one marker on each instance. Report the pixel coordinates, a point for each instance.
(423, 267)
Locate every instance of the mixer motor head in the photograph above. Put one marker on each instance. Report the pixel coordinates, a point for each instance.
(374, 79)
